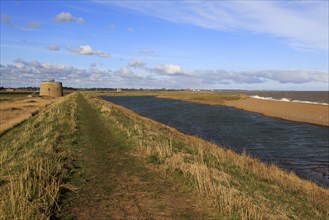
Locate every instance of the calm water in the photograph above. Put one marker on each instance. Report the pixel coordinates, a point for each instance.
(299, 147)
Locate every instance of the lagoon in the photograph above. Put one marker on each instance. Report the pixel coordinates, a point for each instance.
(293, 146)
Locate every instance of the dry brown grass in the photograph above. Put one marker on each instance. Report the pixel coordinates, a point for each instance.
(15, 111)
(206, 97)
(34, 160)
(236, 185)
(302, 112)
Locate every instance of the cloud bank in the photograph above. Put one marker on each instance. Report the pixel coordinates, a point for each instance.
(137, 63)
(261, 76)
(30, 73)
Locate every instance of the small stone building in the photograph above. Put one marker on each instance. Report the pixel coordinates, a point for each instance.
(51, 88)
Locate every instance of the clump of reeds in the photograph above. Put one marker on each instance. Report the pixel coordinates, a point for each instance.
(35, 158)
(236, 185)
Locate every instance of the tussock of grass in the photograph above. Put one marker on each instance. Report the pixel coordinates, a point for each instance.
(236, 185)
(34, 161)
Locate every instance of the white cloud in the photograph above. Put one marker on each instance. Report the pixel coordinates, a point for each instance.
(136, 63)
(54, 47)
(64, 16)
(88, 50)
(33, 24)
(168, 69)
(68, 17)
(301, 24)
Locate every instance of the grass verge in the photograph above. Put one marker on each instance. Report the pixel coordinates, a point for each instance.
(35, 159)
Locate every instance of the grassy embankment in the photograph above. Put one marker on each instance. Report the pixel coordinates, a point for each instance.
(237, 185)
(113, 182)
(35, 159)
(234, 186)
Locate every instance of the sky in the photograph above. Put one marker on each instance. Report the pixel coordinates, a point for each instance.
(254, 45)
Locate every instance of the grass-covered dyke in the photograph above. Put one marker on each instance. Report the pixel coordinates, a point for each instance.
(35, 160)
(237, 186)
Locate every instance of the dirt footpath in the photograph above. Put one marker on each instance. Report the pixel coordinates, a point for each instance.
(114, 184)
(309, 113)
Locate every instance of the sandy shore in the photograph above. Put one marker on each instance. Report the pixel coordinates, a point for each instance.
(309, 113)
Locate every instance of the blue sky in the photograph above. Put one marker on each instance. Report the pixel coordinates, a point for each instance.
(280, 45)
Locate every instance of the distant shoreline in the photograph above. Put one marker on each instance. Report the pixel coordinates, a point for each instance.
(311, 113)
(288, 100)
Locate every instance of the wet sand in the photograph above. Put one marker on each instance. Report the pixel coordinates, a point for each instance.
(301, 112)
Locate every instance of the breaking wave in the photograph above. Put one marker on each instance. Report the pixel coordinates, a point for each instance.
(287, 100)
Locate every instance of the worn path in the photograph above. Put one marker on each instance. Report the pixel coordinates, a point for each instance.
(114, 184)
